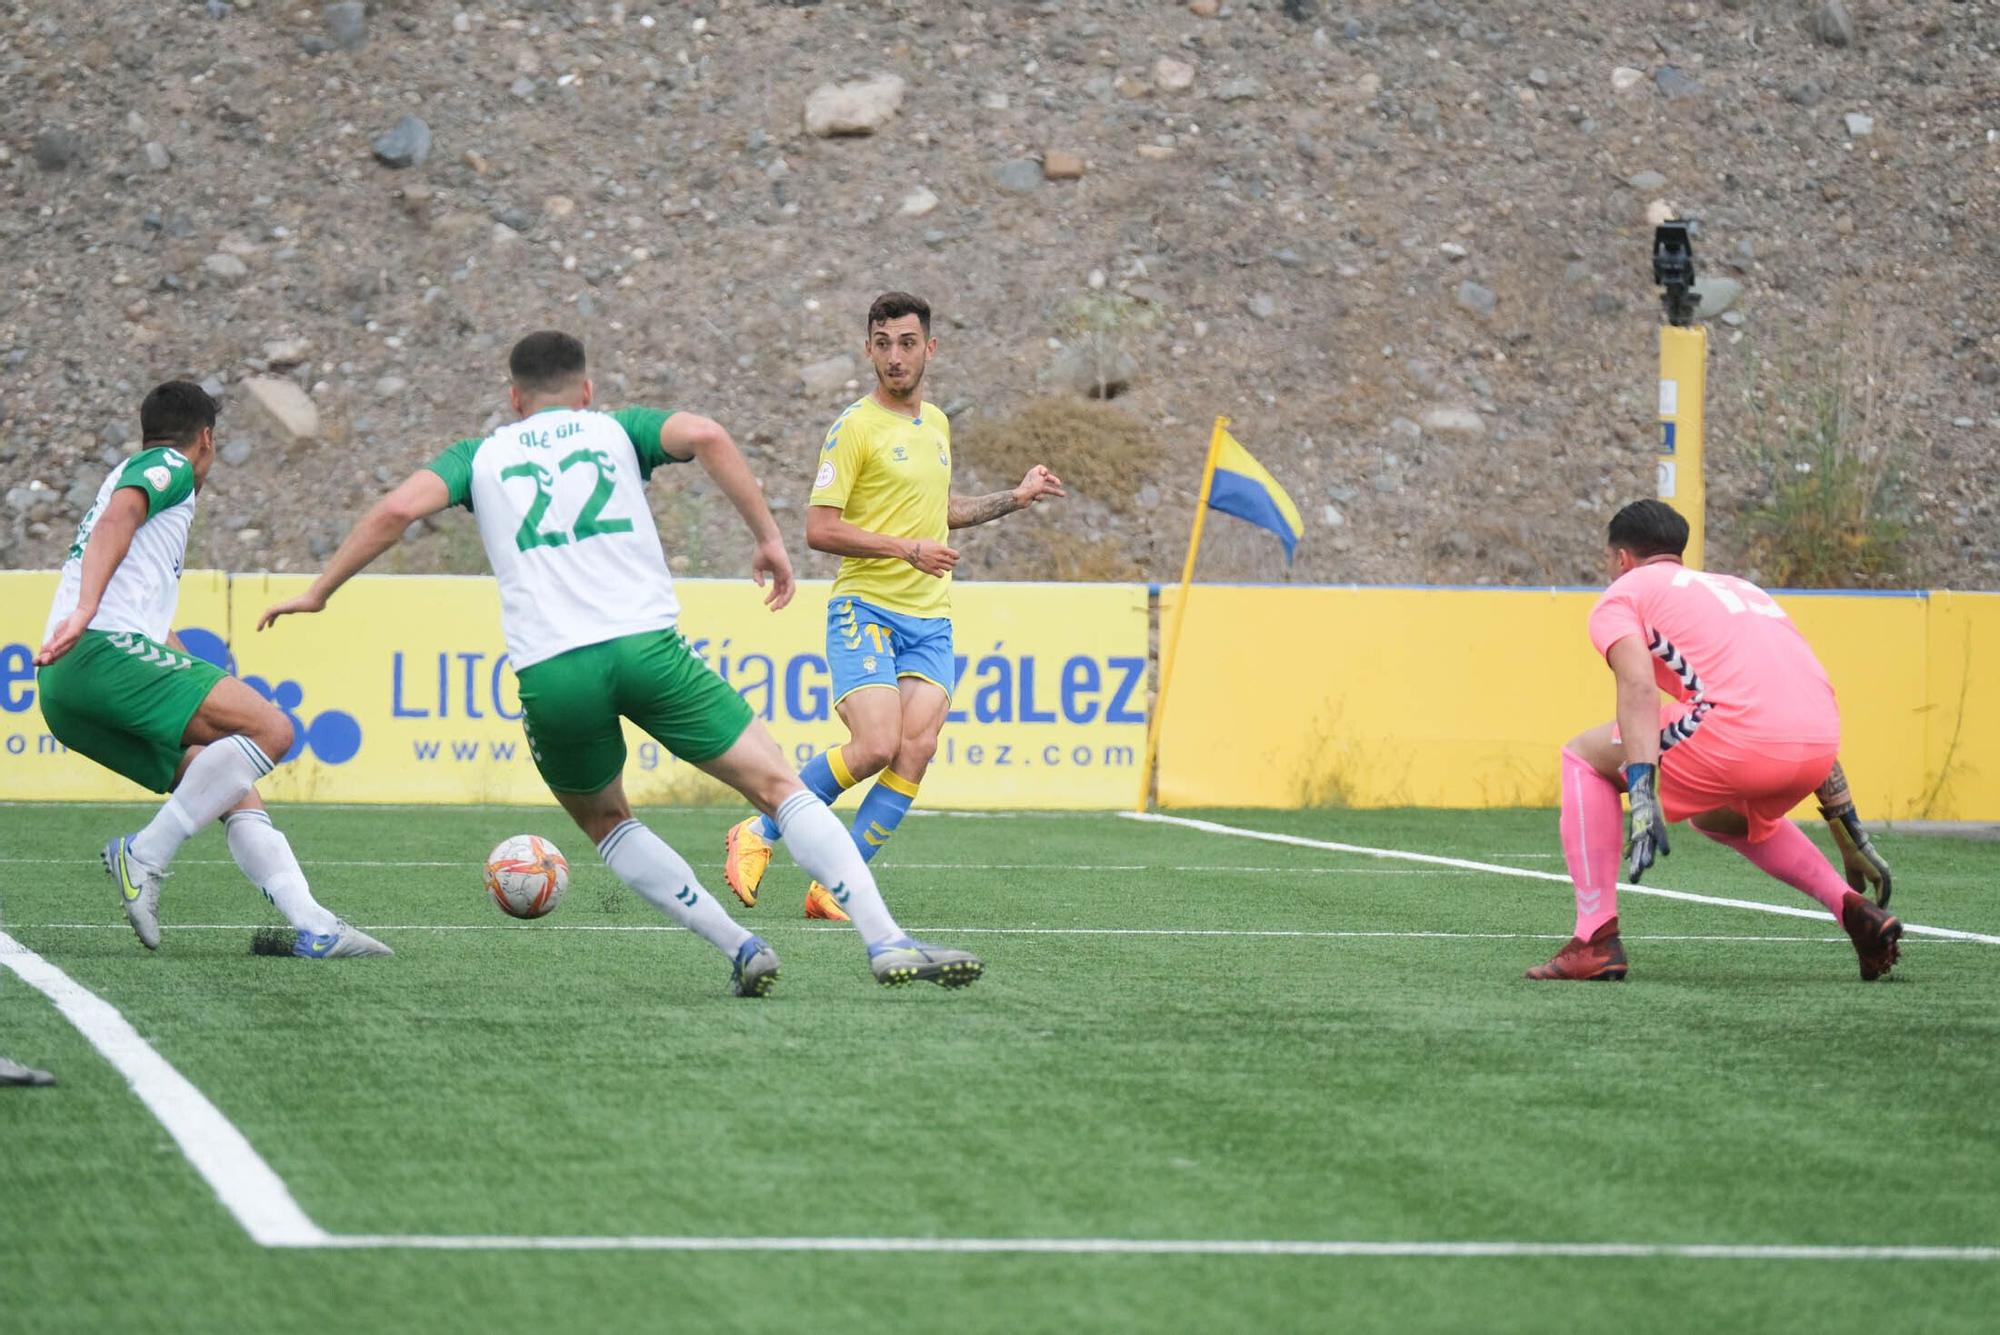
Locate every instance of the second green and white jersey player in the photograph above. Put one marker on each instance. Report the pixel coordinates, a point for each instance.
(590, 617)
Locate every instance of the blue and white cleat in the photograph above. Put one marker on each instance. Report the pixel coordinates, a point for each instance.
(139, 886)
(345, 941)
(755, 971)
(895, 963)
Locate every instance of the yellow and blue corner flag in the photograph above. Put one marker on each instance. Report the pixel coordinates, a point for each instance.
(1242, 487)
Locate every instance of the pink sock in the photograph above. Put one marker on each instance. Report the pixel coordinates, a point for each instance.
(1593, 833)
(1791, 857)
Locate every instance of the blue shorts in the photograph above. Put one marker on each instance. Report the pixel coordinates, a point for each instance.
(866, 646)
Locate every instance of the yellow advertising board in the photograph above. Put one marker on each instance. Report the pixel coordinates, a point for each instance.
(1461, 697)
(401, 691)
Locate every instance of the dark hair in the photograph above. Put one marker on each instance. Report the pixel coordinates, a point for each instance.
(175, 413)
(546, 360)
(894, 306)
(1649, 528)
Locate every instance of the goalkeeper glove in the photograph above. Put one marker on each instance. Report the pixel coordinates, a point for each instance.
(1645, 828)
(1866, 870)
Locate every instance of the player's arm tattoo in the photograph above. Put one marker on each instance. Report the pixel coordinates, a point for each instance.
(1833, 794)
(967, 511)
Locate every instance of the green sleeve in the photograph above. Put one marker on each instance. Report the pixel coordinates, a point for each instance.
(642, 427)
(455, 467)
(163, 476)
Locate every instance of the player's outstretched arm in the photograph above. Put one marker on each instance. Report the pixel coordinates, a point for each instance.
(967, 511)
(827, 530)
(421, 493)
(110, 538)
(1867, 870)
(702, 439)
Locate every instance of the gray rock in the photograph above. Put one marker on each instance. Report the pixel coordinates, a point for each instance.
(1095, 366)
(1475, 297)
(1538, 77)
(515, 217)
(220, 9)
(315, 44)
(1859, 126)
(1262, 305)
(1246, 89)
(115, 433)
(1457, 421)
(405, 144)
(347, 23)
(827, 377)
(1714, 296)
(862, 106)
(285, 404)
(1805, 94)
(21, 499)
(236, 453)
(157, 156)
(1646, 181)
(1019, 176)
(58, 149)
(522, 87)
(1148, 497)
(225, 266)
(586, 305)
(1675, 83)
(81, 493)
(1734, 319)
(212, 386)
(152, 220)
(389, 386)
(1832, 24)
(1288, 257)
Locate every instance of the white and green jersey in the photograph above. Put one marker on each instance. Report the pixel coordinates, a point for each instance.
(561, 502)
(146, 586)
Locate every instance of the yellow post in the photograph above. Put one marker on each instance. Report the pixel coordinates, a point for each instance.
(1170, 649)
(1683, 383)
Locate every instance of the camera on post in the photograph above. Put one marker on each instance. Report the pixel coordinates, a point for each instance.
(1673, 269)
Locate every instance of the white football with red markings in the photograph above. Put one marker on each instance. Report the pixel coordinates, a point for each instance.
(526, 875)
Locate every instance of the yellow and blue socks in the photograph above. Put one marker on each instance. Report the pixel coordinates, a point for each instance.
(826, 777)
(882, 811)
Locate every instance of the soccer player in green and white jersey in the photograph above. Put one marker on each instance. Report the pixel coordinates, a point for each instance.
(116, 686)
(590, 617)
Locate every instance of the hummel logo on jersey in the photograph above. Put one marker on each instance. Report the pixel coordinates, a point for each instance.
(159, 476)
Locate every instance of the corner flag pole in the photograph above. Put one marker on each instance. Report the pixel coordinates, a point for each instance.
(1171, 649)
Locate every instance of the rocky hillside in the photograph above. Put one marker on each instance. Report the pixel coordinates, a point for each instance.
(1404, 246)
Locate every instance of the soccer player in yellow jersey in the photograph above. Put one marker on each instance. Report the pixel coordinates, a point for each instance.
(882, 500)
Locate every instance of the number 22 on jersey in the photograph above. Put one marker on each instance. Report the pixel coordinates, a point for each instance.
(590, 520)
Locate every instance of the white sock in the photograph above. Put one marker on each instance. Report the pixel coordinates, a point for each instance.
(265, 856)
(822, 845)
(217, 779)
(663, 879)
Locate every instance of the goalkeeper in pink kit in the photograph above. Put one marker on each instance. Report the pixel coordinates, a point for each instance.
(1752, 731)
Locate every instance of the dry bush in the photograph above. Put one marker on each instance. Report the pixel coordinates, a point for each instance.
(1099, 451)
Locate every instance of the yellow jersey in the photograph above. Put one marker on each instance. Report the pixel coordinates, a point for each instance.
(889, 474)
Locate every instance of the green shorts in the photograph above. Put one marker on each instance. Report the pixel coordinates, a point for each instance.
(125, 701)
(571, 705)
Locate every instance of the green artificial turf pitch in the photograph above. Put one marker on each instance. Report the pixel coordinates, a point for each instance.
(1181, 1035)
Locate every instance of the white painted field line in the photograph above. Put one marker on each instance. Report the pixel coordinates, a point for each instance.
(1526, 873)
(1165, 1247)
(1047, 868)
(949, 930)
(240, 1178)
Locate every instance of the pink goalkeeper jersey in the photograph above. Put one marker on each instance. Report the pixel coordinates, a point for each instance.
(1723, 647)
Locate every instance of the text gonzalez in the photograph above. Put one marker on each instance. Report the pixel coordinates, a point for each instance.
(995, 687)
